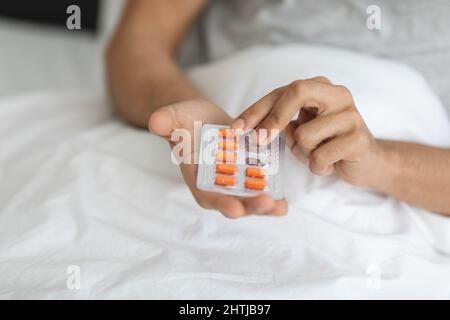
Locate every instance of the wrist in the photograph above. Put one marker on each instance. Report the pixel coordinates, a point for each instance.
(386, 166)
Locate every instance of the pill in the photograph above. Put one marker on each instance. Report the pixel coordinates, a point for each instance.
(226, 157)
(226, 168)
(228, 144)
(255, 184)
(228, 181)
(227, 133)
(255, 172)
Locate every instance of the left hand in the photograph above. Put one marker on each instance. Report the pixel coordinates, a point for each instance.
(329, 134)
(181, 115)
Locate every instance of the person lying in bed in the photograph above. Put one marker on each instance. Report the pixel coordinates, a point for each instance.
(149, 89)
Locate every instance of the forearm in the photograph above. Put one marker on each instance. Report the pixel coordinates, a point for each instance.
(416, 174)
(142, 71)
(143, 77)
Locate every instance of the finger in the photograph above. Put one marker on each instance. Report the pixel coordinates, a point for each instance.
(255, 114)
(280, 208)
(289, 134)
(163, 121)
(291, 142)
(310, 135)
(265, 205)
(229, 206)
(251, 117)
(323, 159)
(324, 98)
(307, 114)
(258, 205)
(236, 207)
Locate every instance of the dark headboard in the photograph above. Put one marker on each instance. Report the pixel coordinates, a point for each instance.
(51, 12)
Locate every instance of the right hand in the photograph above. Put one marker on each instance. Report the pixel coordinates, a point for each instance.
(182, 115)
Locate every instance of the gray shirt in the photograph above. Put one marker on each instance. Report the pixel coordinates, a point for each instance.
(416, 32)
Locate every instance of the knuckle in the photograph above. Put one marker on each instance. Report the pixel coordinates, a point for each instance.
(322, 79)
(356, 180)
(345, 92)
(315, 169)
(354, 117)
(362, 139)
(297, 87)
(343, 89)
(277, 91)
(273, 120)
(315, 157)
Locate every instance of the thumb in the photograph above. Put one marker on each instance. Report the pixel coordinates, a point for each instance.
(163, 121)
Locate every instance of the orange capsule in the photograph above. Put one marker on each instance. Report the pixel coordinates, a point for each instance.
(227, 133)
(228, 144)
(255, 172)
(226, 157)
(227, 181)
(226, 169)
(255, 184)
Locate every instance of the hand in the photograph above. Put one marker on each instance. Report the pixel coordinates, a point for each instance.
(182, 116)
(329, 134)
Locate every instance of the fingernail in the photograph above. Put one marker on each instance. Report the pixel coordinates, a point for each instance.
(238, 124)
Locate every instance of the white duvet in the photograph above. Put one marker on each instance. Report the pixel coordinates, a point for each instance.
(82, 191)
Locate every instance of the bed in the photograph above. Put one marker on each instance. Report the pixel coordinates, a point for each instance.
(83, 195)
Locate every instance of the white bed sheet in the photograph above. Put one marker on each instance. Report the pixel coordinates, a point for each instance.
(81, 188)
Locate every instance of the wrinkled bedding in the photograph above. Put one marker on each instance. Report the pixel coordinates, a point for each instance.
(81, 188)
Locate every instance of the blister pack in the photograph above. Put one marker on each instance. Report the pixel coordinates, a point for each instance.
(237, 165)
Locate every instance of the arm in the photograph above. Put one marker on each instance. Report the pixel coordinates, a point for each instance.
(142, 71)
(330, 136)
(150, 90)
(415, 173)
